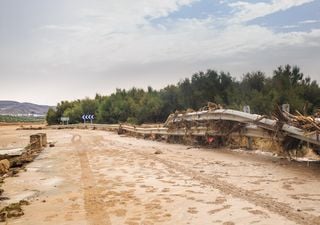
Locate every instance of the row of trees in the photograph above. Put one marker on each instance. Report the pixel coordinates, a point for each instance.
(262, 93)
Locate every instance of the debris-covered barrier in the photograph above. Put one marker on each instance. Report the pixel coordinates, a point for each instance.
(283, 132)
(218, 127)
(259, 125)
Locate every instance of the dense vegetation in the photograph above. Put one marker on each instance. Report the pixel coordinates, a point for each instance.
(286, 85)
(14, 119)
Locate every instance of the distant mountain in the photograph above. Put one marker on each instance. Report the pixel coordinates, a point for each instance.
(25, 108)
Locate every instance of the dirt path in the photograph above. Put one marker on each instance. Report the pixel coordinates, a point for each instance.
(96, 177)
(93, 200)
(259, 200)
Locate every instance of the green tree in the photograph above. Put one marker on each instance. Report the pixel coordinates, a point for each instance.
(52, 117)
(89, 106)
(262, 93)
(75, 113)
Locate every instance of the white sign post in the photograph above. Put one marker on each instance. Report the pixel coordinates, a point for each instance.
(64, 119)
(246, 109)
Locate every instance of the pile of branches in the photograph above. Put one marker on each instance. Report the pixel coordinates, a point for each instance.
(211, 107)
(317, 113)
(306, 123)
(169, 122)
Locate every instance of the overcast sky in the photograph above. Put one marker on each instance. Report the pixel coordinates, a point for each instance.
(53, 50)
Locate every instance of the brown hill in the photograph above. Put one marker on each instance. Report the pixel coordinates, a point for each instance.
(24, 108)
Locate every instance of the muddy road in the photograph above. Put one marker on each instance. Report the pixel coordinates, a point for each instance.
(98, 177)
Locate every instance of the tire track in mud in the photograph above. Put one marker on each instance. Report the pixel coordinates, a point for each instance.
(265, 202)
(93, 201)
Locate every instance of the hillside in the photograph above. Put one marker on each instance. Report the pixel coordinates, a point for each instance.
(25, 108)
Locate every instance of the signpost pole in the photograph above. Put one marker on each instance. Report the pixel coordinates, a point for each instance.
(84, 119)
(64, 120)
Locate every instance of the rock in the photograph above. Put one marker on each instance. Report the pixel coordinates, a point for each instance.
(158, 152)
(4, 166)
(51, 144)
(24, 202)
(3, 216)
(12, 210)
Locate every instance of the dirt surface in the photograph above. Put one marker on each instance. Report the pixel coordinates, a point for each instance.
(98, 177)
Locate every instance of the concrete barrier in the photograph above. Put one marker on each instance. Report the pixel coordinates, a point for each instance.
(43, 139)
(38, 141)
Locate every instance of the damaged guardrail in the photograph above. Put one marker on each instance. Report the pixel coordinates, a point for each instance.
(212, 123)
(246, 118)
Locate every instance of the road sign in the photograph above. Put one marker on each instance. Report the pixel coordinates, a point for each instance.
(65, 119)
(89, 117)
(86, 117)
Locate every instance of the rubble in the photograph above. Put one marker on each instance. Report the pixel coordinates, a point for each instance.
(4, 166)
(12, 210)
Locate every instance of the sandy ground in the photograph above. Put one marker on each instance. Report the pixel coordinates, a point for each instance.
(98, 177)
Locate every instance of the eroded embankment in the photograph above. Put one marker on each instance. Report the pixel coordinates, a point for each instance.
(10, 165)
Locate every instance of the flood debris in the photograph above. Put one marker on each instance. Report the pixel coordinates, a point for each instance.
(294, 147)
(306, 123)
(215, 127)
(12, 210)
(29, 128)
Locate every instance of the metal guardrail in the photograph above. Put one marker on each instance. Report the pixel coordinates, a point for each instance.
(249, 130)
(242, 117)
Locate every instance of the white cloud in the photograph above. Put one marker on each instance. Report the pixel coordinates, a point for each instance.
(248, 11)
(309, 21)
(289, 26)
(103, 44)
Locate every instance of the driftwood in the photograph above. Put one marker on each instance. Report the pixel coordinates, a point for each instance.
(306, 123)
(211, 106)
(317, 113)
